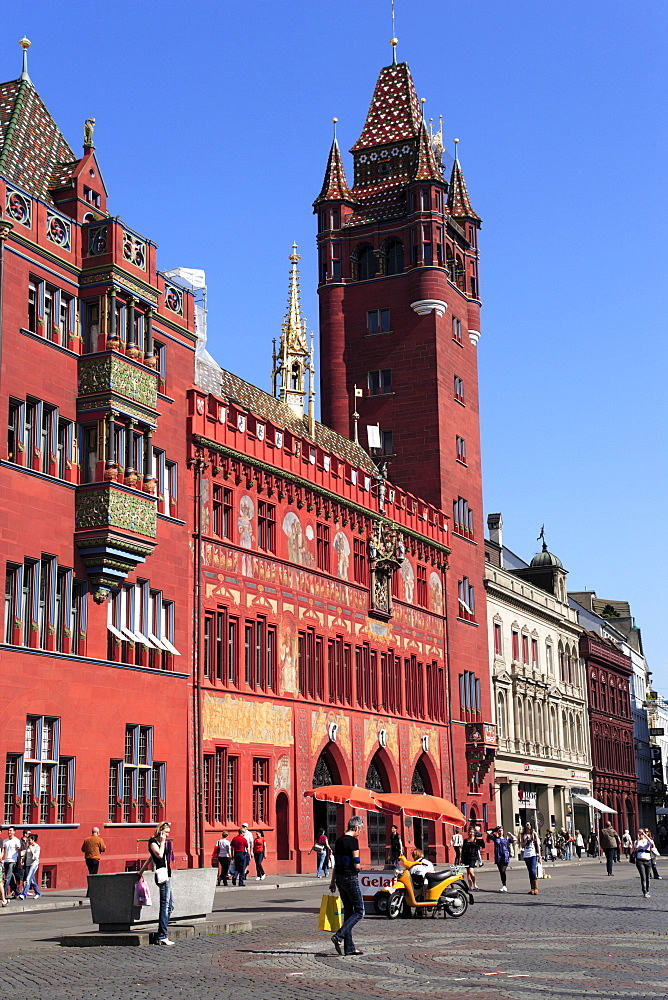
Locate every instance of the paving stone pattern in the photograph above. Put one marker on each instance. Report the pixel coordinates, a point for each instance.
(584, 936)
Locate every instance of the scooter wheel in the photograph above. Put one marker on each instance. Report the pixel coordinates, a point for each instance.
(455, 906)
(380, 903)
(395, 905)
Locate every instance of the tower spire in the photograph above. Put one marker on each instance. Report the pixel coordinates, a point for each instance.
(293, 359)
(334, 186)
(25, 44)
(459, 203)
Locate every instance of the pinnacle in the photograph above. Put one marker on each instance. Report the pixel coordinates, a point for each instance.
(335, 186)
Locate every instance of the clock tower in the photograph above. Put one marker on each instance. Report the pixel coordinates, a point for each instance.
(400, 317)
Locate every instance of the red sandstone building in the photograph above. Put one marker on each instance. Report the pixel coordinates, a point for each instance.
(214, 602)
(614, 777)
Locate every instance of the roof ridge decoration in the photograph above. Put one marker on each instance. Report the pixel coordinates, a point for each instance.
(394, 112)
(459, 203)
(335, 185)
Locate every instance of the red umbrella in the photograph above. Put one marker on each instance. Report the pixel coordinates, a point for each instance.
(358, 798)
(423, 806)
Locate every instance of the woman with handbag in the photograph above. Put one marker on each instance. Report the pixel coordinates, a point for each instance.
(530, 846)
(654, 853)
(160, 856)
(642, 850)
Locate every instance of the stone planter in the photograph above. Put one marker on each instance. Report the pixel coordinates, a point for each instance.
(112, 898)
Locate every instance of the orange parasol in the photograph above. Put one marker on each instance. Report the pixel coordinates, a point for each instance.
(358, 798)
(423, 806)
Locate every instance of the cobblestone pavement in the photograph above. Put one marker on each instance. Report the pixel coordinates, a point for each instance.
(584, 936)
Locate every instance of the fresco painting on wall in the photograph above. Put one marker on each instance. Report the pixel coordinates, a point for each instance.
(408, 577)
(297, 548)
(435, 593)
(287, 653)
(342, 549)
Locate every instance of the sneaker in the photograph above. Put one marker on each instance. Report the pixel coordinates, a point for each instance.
(262, 877)
(165, 941)
(646, 895)
(504, 888)
(257, 878)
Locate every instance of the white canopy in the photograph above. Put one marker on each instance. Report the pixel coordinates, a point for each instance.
(594, 803)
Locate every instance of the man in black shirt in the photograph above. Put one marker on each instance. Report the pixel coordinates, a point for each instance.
(344, 878)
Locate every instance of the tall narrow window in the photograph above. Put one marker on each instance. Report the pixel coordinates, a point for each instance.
(322, 547)
(461, 450)
(32, 305)
(222, 511)
(456, 329)
(421, 580)
(378, 321)
(466, 600)
(360, 565)
(266, 526)
(459, 389)
(498, 639)
(380, 382)
(261, 791)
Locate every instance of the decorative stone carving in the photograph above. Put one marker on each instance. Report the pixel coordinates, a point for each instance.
(386, 554)
(110, 505)
(474, 336)
(425, 306)
(111, 373)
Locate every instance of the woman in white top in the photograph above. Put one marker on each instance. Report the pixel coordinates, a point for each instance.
(642, 849)
(223, 846)
(530, 846)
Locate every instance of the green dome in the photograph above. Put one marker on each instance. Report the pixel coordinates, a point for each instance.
(544, 559)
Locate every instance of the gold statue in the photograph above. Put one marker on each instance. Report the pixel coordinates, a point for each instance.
(89, 125)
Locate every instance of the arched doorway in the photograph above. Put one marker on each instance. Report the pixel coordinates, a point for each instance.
(327, 816)
(282, 827)
(376, 781)
(424, 830)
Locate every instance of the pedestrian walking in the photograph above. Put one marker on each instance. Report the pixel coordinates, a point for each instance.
(512, 843)
(11, 846)
(240, 858)
(579, 844)
(592, 847)
(609, 845)
(530, 846)
(549, 850)
(501, 854)
(3, 898)
(396, 846)
(345, 879)
(21, 868)
(93, 848)
(249, 846)
(32, 863)
(456, 844)
(471, 849)
(642, 849)
(224, 858)
(322, 850)
(259, 851)
(627, 842)
(653, 853)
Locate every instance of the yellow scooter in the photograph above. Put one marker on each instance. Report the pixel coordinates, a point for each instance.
(444, 892)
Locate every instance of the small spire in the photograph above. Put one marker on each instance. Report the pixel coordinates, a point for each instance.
(293, 357)
(25, 44)
(459, 203)
(394, 40)
(334, 186)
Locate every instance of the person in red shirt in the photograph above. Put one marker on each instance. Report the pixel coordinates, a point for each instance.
(259, 850)
(239, 848)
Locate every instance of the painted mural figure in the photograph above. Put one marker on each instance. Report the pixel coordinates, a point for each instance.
(245, 526)
(297, 550)
(342, 549)
(435, 593)
(408, 577)
(288, 656)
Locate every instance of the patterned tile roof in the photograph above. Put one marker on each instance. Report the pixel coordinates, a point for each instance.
(381, 202)
(34, 155)
(212, 378)
(335, 186)
(459, 204)
(394, 112)
(427, 168)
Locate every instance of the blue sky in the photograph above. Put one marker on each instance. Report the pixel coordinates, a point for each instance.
(213, 127)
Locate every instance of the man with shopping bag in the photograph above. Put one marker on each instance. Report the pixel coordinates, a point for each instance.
(345, 879)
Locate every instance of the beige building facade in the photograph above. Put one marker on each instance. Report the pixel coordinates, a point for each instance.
(539, 691)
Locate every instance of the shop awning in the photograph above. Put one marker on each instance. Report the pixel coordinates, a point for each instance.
(594, 803)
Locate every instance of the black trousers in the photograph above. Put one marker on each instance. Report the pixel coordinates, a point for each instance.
(92, 864)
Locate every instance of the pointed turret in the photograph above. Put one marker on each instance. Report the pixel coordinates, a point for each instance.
(459, 203)
(335, 186)
(427, 167)
(34, 155)
(294, 359)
